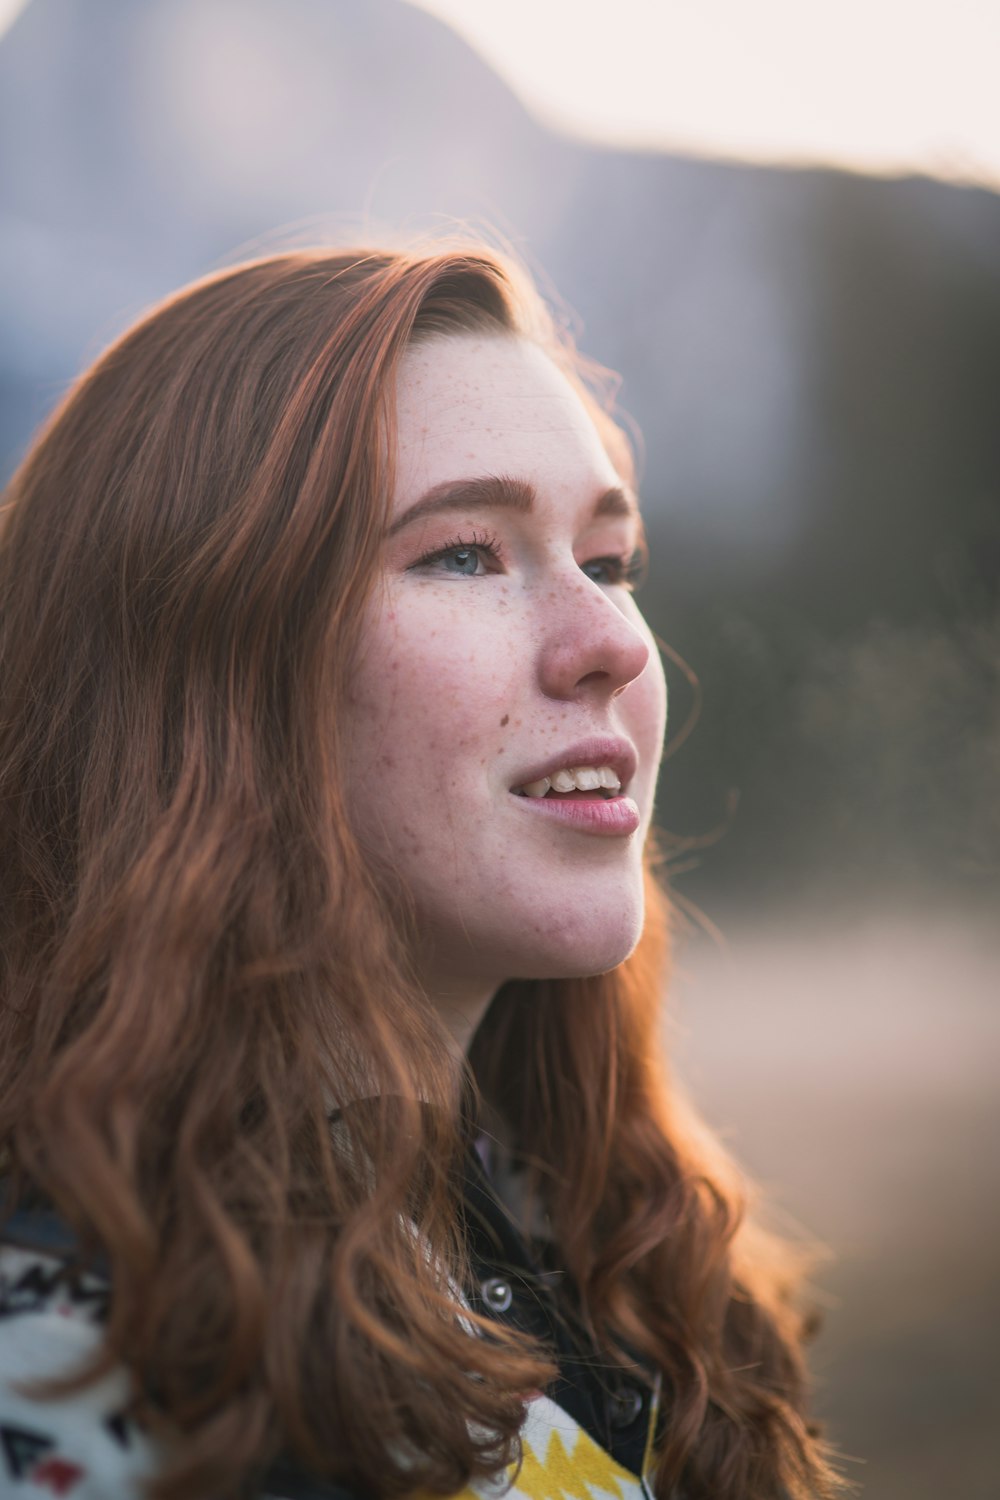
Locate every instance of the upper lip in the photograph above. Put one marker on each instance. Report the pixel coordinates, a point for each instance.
(599, 751)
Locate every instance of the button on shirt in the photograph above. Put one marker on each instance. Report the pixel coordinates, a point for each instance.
(590, 1432)
(614, 1410)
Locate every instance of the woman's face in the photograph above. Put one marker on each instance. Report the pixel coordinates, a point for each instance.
(502, 646)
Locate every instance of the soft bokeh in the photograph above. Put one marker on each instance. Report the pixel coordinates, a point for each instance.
(814, 360)
(882, 86)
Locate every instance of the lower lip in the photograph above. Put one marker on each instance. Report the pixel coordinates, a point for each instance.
(614, 817)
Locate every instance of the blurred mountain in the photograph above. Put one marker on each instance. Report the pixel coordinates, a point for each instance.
(813, 359)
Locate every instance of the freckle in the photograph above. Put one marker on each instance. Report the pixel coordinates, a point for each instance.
(505, 721)
(500, 751)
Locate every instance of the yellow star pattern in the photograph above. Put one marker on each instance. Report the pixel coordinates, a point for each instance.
(586, 1473)
(561, 1462)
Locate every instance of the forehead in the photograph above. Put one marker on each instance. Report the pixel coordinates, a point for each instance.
(470, 405)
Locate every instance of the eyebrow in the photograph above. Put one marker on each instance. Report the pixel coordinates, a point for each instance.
(501, 492)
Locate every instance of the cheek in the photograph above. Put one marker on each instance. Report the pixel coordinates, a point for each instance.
(651, 685)
(647, 712)
(434, 683)
(657, 691)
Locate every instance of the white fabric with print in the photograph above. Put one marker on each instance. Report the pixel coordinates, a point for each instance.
(77, 1446)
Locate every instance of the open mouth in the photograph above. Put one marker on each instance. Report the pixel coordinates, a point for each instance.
(575, 783)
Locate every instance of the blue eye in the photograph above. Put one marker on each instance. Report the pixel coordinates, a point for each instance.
(463, 559)
(466, 561)
(628, 572)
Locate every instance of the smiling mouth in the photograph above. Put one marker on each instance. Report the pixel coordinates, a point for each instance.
(575, 783)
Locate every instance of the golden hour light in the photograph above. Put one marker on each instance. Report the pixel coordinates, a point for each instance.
(9, 11)
(879, 86)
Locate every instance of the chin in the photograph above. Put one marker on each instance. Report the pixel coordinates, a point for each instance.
(576, 948)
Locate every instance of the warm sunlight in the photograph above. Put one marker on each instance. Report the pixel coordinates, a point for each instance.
(9, 10)
(882, 86)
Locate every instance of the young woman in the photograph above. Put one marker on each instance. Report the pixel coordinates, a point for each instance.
(339, 1157)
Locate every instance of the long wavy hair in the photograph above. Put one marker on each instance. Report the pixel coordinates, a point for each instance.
(198, 967)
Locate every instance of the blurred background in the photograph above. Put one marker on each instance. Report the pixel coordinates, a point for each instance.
(781, 224)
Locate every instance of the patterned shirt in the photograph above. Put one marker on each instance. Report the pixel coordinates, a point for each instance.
(589, 1436)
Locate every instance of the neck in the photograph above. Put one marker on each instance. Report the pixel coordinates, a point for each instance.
(460, 992)
(461, 1008)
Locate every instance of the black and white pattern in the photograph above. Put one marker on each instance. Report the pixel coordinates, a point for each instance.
(590, 1435)
(81, 1446)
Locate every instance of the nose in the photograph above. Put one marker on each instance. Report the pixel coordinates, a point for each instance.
(590, 647)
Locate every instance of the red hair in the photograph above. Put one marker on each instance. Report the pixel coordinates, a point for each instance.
(196, 960)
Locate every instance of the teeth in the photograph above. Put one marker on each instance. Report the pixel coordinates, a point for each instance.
(587, 780)
(575, 778)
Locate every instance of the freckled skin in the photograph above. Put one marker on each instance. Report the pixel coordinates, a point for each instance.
(530, 641)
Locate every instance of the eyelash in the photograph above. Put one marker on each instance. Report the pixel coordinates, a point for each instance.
(630, 568)
(480, 542)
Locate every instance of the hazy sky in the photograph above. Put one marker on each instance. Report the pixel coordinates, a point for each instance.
(884, 86)
(876, 85)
